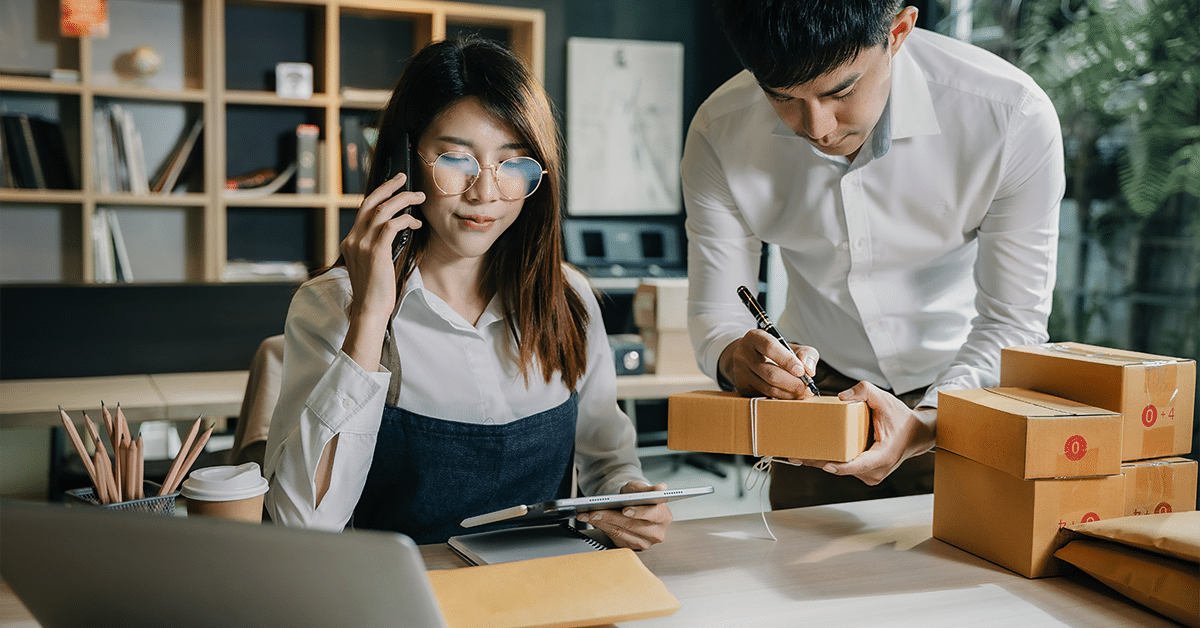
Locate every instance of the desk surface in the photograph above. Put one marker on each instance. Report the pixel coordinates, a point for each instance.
(862, 564)
(184, 396)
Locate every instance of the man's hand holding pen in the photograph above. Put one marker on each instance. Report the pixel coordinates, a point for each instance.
(757, 365)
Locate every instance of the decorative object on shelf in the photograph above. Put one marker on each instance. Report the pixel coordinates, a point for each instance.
(293, 80)
(83, 18)
(138, 64)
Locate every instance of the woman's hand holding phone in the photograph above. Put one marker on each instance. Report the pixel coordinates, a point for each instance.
(367, 249)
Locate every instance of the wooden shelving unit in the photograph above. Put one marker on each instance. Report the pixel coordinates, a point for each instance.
(201, 42)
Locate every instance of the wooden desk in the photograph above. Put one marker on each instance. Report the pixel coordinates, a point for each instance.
(862, 564)
(184, 396)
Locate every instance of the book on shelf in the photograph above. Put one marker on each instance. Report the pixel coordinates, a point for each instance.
(109, 253)
(168, 176)
(35, 153)
(355, 155)
(104, 158)
(241, 270)
(232, 189)
(306, 158)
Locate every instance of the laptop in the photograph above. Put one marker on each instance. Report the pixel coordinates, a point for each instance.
(81, 566)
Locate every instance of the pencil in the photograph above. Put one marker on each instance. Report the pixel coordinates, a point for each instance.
(119, 466)
(109, 424)
(184, 450)
(139, 467)
(101, 485)
(122, 422)
(77, 442)
(191, 459)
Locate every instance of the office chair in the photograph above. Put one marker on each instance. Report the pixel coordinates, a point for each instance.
(258, 404)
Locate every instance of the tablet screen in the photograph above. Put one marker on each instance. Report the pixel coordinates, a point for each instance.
(563, 508)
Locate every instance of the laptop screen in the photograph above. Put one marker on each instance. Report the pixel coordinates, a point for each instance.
(75, 566)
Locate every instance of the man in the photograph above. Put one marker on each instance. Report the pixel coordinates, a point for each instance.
(911, 183)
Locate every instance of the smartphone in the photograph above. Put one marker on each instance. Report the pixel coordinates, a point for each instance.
(400, 160)
(563, 508)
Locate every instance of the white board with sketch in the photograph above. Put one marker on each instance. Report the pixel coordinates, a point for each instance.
(624, 126)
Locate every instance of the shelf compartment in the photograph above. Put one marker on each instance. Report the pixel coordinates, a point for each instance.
(374, 49)
(264, 137)
(161, 125)
(64, 109)
(172, 29)
(260, 35)
(163, 241)
(42, 47)
(40, 242)
(274, 234)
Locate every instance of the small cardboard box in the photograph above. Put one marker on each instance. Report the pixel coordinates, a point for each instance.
(1159, 485)
(1012, 522)
(670, 352)
(661, 304)
(1029, 434)
(1155, 393)
(819, 428)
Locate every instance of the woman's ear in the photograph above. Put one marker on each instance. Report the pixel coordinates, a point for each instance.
(903, 24)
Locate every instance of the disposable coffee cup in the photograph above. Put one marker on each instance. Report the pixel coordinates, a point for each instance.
(226, 492)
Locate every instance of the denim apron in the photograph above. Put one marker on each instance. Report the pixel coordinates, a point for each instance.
(429, 474)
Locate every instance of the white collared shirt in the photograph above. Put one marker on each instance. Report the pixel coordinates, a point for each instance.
(450, 370)
(914, 265)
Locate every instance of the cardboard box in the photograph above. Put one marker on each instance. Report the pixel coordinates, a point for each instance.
(661, 304)
(819, 428)
(1155, 393)
(1012, 522)
(1029, 434)
(670, 352)
(1160, 485)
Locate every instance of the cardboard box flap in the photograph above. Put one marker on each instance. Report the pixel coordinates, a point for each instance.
(1101, 355)
(1029, 403)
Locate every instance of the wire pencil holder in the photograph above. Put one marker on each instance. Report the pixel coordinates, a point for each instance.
(156, 505)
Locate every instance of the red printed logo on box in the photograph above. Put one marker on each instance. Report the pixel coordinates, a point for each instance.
(1091, 516)
(1149, 415)
(1075, 448)
(1161, 508)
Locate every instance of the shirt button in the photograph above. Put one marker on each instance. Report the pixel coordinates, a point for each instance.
(347, 403)
(844, 246)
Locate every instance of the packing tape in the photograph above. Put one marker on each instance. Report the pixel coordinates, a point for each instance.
(1068, 465)
(1153, 484)
(1161, 378)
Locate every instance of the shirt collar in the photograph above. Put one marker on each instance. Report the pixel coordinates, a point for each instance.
(415, 288)
(909, 111)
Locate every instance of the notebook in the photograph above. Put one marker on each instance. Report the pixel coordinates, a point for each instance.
(589, 589)
(523, 543)
(82, 566)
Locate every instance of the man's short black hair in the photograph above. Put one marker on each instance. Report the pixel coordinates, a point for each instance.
(785, 43)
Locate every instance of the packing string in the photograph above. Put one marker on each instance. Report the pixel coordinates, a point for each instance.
(761, 467)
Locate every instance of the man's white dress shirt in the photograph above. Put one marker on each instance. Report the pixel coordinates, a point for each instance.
(912, 266)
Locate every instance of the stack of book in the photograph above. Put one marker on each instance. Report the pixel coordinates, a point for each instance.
(33, 153)
(121, 160)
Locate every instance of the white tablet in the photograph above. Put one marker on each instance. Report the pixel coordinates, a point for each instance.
(563, 508)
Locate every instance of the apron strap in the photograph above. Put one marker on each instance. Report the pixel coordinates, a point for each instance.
(390, 358)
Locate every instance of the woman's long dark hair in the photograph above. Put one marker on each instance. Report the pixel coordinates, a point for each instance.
(546, 317)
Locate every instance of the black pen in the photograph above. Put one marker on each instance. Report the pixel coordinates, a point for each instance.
(766, 325)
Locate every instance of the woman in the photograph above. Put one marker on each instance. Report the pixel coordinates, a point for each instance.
(473, 372)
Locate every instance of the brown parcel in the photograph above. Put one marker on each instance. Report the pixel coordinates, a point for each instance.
(1153, 560)
(819, 428)
(1155, 393)
(669, 352)
(1160, 485)
(1029, 434)
(574, 590)
(661, 305)
(1012, 522)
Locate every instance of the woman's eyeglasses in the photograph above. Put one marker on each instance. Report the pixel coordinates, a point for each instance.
(455, 173)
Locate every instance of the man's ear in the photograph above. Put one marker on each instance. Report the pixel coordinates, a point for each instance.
(903, 24)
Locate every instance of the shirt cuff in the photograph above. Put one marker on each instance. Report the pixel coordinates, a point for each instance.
(345, 393)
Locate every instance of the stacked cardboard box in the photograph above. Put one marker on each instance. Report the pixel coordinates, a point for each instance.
(819, 428)
(660, 313)
(1013, 466)
(1046, 450)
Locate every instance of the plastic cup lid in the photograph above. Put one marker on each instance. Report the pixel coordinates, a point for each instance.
(225, 483)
